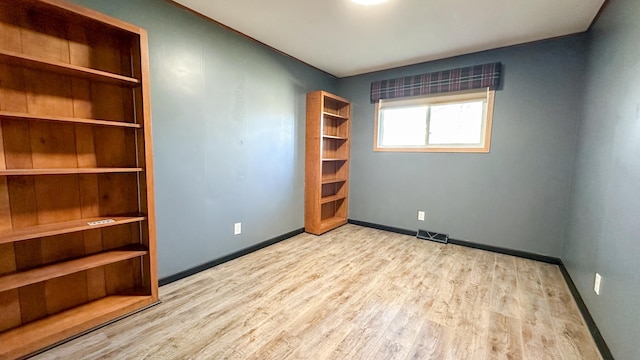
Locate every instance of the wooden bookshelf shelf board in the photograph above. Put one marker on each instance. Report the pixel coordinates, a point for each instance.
(334, 159)
(332, 223)
(55, 328)
(337, 116)
(32, 62)
(329, 199)
(33, 232)
(22, 116)
(67, 171)
(24, 278)
(332, 181)
(335, 137)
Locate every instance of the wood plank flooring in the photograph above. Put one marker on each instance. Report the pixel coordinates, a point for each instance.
(354, 293)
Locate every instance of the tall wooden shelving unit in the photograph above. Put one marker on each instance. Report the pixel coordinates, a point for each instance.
(77, 228)
(327, 162)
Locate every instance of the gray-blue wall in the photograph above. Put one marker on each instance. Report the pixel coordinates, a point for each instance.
(516, 196)
(228, 131)
(604, 227)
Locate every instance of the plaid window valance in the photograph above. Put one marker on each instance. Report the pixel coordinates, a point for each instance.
(467, 78)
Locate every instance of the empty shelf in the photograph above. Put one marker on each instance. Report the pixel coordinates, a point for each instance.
(54, 328)
(66, 171)
(24, 278)
(31, 62)
(23, 116)
(329, 199)
(65, 227)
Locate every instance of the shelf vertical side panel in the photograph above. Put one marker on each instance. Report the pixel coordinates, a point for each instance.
(313, 163)
(142, 107)
(344, 210)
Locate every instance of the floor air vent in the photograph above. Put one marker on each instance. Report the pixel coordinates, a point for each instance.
(433, 236)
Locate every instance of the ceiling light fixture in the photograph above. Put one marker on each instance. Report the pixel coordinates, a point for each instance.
(368, 2)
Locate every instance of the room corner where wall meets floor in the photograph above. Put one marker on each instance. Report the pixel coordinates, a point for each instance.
(593, 328)
(208, 265)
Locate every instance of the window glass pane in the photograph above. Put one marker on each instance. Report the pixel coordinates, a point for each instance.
(403, 126)
(456, 123)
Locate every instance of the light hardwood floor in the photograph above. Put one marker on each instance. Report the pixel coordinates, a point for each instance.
(354, 293)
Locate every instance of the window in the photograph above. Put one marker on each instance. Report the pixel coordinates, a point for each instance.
(458, 122)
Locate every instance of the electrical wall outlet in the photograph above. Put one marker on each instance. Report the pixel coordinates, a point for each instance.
(237, 228)
(421, 215)
(596, 284)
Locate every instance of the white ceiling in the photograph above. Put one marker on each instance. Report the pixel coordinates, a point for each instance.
(344, 38)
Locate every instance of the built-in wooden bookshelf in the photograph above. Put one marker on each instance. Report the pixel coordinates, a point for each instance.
(327, 162)
(77, 224)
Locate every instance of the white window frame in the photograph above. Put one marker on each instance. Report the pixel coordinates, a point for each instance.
(486, 95)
